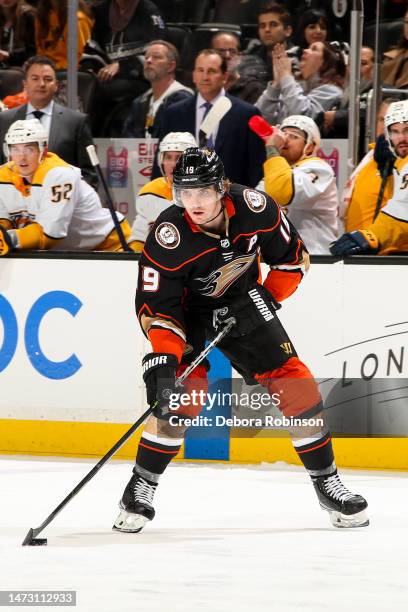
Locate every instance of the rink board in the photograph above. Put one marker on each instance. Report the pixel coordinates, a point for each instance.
(71, 348)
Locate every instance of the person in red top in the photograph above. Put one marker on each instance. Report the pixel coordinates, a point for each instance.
(199, 267)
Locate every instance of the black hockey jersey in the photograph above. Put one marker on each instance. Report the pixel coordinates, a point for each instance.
(184, 269)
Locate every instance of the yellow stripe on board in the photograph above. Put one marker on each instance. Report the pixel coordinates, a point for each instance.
(77, 439)
(372, 453)
(67, 439)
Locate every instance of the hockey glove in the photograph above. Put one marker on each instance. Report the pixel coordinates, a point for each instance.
(355, 243)
(384, 157)
(159, 375)
(6, 245)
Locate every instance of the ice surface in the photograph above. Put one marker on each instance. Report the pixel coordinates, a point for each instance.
(225, 539)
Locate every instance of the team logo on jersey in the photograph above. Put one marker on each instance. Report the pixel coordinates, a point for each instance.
(167, 235)
(256, 201)
(217, 283)
(286, 347)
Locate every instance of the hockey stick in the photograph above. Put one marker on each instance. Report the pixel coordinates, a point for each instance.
(214, 116)
(90, 149)
(386, 174)
(31, 537)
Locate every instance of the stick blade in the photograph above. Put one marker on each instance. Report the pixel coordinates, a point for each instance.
(30, 540)
(218, 111)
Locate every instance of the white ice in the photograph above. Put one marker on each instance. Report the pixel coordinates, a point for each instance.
(225, 539)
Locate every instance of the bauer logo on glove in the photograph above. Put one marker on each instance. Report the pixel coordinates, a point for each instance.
(159, 375)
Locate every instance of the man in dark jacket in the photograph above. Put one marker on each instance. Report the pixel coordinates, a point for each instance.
(121, 29)
(161, 60)
(241, 151)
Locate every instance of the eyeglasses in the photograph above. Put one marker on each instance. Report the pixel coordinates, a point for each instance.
(230, 51)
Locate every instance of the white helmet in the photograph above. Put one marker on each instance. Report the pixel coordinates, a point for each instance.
(306, 124)
(24, 131)
(175, 141)
(397, 112)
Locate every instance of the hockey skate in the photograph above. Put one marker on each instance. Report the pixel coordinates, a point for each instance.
(136, 505)
(346, 509)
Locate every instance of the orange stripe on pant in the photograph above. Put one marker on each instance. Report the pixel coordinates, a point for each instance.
(295, 386)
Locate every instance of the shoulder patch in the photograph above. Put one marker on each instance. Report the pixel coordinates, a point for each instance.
(167, 235)
(255, 200)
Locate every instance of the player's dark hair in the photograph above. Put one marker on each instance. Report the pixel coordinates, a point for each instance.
(278, 9)
(41, 60)
(224, 63)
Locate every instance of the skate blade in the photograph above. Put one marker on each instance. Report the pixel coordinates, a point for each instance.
(346, 521)
(129, 523)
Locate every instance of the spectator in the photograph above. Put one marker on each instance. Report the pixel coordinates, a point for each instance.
(395, 63)
(389, 231)
(51, 30)
(242, 75)
(161, 60)
(335, 122)
(373, 176)
(274, 26)
(302, 183)
(17, 34)
(44, 202)
(69, 132)
(240, 149)
(313, 26)
(322, 69)
(122, 28)
(157, 195)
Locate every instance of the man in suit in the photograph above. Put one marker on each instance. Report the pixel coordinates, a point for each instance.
(68, 130)
(241, 151)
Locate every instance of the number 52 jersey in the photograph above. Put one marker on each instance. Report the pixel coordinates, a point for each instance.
(68, 210)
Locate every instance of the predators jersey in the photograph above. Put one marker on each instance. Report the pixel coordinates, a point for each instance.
(186, 271)
(58, 210)
(391, 225)
(361, 191)
(152, 199)
(308, 193)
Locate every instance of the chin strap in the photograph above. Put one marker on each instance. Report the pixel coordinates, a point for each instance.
(217, 215)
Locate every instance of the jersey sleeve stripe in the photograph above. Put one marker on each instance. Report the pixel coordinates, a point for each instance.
(163, 325)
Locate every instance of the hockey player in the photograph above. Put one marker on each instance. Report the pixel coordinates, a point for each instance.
(303, 183)
(389, 232)
(44, 202)
(156, 196)
(200, 265)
